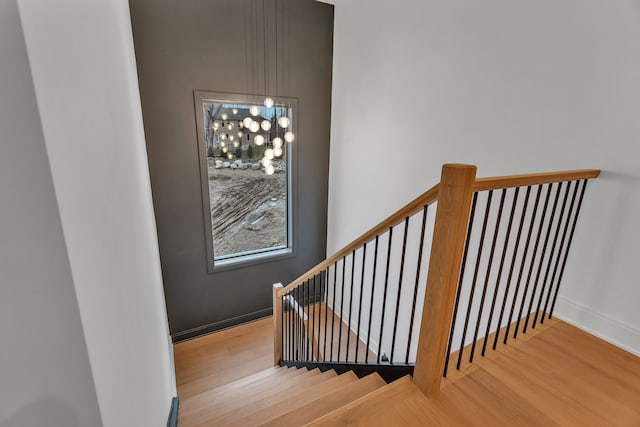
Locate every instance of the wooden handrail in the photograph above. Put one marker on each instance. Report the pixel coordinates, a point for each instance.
(431, 195)
(500, 182)
(412, 207)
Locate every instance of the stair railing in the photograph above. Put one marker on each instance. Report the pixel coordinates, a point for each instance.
(346, 310)
(350, 312)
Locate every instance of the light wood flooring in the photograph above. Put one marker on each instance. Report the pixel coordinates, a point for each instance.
(557, 376)
(212, 360)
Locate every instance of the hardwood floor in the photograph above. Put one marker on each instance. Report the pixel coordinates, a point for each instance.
(212, 360)
(557, 376)
(561, 376)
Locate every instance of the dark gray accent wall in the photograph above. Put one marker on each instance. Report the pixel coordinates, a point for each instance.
(45, 374)
(201, 45)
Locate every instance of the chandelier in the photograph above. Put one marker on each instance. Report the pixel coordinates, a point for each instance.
(248, 128)
(275, 115)
(264, 127)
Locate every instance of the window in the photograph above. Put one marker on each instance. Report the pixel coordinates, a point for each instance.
(245, 166)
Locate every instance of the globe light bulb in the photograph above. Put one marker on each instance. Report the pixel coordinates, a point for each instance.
(270, 170)
(277, 151)
(229, 156)
(268, 153)
(268, 102)
(223, 136)
(240, 134)
(277, 142)
(254, 110)
(224, 116)
(265, 125)
(258, 139)
(234, 111)
(283, 122)
(266, 162)
(289, 136)
(255, 126)
(231, 137)
(224, 149)
(230, 126)
(247, 122)
(216, 124)
(236, 144)
(221, 143)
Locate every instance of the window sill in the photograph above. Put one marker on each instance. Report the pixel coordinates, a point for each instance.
(251, 259)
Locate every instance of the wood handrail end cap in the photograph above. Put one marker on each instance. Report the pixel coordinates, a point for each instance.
(458, 166)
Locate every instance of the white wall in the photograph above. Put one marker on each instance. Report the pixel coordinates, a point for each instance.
(45, 376)
(81, 56)
(512, 87)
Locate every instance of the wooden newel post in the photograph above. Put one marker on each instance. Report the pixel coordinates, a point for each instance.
(277, 324)
(452, 217)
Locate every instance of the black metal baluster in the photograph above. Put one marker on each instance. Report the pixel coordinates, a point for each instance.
(511, 268)
(318, 303)
(333, 308)
(297, 319)
(326, 311)
(307, 312)
(564, 236)
(475, 277)
(300, 307)
(417, 282)
(502, 257)
(285, 329)
(312, 312)
(301, 343)
(533, 258)
(400, 276)
(373, 288)
(286, 352)
(544, 251)
(460, 280)
(293, 326)
(364, 256)
(384, 293)
(353, 267)
(341, 306)
(289, 329)
(487, 275)
(566, 253)
(553, 249)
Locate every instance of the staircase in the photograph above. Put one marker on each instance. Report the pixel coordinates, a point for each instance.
(555, 375)
(464, 335)
(283, 396)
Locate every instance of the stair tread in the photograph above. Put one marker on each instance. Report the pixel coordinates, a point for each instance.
(215, 379)
(292, 398)
(238, 385)
(331, 400)
(220, 398)
(243, 414)
(398, 403)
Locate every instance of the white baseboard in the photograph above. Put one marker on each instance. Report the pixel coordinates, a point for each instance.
(599, 325)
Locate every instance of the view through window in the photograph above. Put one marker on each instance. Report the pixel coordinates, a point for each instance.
(247, 166)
